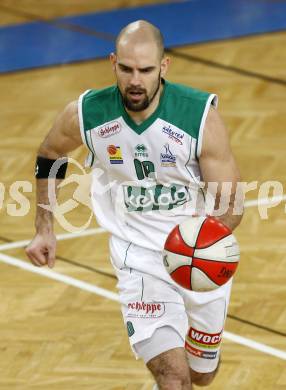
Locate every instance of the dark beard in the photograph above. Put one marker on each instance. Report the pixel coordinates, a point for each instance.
(137, 107)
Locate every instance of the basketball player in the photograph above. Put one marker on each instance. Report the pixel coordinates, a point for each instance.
(154, 143)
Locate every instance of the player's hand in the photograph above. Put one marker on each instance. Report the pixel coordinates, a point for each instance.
(42, 250)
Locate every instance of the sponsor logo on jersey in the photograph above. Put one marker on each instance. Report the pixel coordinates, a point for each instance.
(200, 354)
(145, 309)
(109, 130)
(168, 159)
(173, 135)
(141, 151)
(155, 197)
(206, 340)
(115, 156)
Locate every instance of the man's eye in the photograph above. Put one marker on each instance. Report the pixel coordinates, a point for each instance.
(147, 70)
(126, 70)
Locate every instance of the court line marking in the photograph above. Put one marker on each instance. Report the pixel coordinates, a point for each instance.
(60, 237)
(114, 297)
(90, 232)
(255, 345)
(59, 277)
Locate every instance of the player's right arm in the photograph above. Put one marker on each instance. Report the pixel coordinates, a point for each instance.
(63, 138)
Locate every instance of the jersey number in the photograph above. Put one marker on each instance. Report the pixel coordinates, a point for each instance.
(143, 168)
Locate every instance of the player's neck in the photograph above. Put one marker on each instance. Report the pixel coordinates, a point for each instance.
(141, 116)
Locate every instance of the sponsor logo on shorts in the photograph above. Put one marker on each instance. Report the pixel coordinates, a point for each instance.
(205, 340)
(109, 130)
(142, 309)
(200, 354)
(173, 135)
(115, 155)
(168, 159)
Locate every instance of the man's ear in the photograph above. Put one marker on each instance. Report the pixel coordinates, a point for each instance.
(165, 65)
(113, 59)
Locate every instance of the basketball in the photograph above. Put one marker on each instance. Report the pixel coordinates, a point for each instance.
(201, 254)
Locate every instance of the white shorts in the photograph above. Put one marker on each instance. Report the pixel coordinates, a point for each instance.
(151, 300)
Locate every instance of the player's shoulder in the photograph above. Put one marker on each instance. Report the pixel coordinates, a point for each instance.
(187, 93)
(99, 95)
(70, 113)
(186, 107)
(97, 107)
(188, 100)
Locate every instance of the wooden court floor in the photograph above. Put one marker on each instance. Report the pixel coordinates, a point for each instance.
(59, 336)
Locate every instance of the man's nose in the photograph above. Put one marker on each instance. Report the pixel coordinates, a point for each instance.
(135, 79)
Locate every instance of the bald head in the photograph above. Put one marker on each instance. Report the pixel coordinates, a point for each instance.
(139, 65)
(140, 32)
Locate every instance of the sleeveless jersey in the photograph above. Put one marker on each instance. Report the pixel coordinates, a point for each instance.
(146, 178)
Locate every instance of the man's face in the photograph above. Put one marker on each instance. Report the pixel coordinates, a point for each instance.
(138, 71)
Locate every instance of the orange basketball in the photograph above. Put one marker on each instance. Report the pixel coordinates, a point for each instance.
(201, 254)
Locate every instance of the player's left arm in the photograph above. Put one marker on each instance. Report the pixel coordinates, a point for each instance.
(217, 165)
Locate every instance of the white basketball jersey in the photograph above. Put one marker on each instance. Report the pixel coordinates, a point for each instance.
(146, 178)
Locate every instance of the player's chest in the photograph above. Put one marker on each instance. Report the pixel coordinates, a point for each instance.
(160, 150)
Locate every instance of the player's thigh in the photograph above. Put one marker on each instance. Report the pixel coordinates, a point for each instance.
(165, 356)
(148, 300)
(144, 319)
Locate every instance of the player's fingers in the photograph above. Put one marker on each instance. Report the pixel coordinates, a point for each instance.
(29, 253)
(36, 257)
(35, 261)
(51, 256)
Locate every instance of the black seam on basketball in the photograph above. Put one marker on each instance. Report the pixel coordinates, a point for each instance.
(214, 242)
(190, 276)
(181, 254)
(199, 232)
(182, 238)
(181, 266)
(215, 261)
(208, 276)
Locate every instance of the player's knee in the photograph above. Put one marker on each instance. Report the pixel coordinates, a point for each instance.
(202, 379)
(173, 379)
(171, 371)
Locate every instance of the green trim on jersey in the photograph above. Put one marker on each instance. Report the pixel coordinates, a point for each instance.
(179, 105)
(148, 122)
(106, 105)
(184, 108)
(100, 106)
